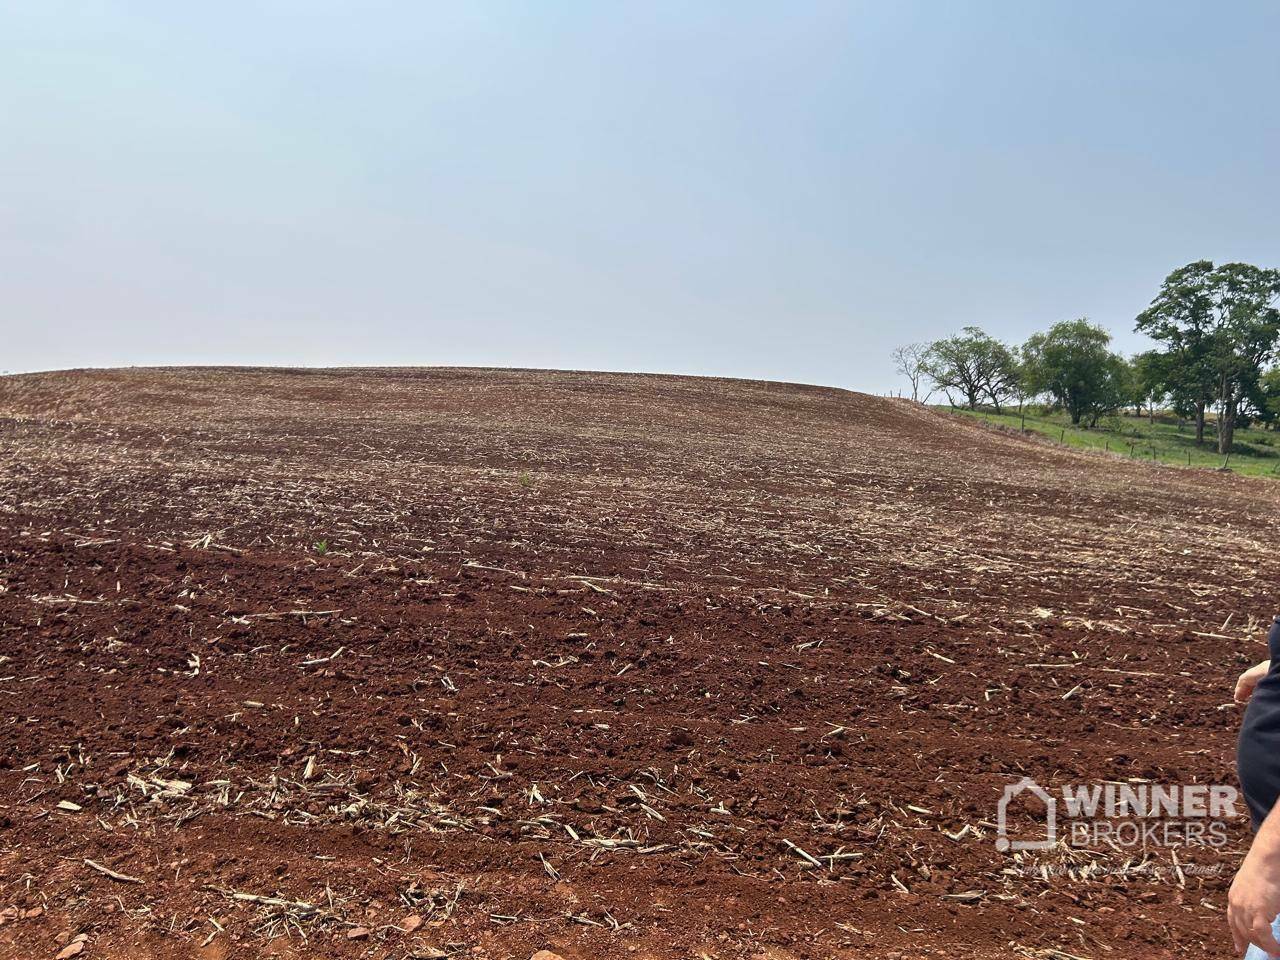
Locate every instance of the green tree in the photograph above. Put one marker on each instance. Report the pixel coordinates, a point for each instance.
(1266, 396)
(1246, 327)
(974, 365)
(1149, 381)
(1073, 364)
(1219, 326)
(1180, 318)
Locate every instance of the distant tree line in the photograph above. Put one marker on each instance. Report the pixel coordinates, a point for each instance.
(1217, 327)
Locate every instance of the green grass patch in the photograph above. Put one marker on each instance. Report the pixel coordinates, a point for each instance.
(1257, 452)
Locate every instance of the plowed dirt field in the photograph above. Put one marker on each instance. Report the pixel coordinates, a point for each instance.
(475, 663)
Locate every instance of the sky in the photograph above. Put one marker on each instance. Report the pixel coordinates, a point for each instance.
(770, 190)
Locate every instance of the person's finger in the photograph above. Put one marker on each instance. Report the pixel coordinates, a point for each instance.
(1237, 935)
(1260, 934)
(1245, 686)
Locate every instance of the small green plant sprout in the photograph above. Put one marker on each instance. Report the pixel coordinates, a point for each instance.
(321, 547)
(525, 480)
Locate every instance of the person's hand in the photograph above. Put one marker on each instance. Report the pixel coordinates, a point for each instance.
(1249, 679)
(1254, 901)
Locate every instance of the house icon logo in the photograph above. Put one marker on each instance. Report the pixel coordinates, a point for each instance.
(1013, 791)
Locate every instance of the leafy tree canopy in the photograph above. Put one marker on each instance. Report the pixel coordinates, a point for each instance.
(1219, 325)
(974, 365)
(1073, 364)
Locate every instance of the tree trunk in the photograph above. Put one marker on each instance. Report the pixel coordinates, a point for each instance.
(1200, 423)
(1227, 422)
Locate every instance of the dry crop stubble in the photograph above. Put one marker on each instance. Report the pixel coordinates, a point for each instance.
(617, 665)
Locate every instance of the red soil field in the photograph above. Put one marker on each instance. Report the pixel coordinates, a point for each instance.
(616, 666)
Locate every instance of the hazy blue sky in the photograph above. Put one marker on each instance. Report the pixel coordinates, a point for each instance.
(781, 190)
